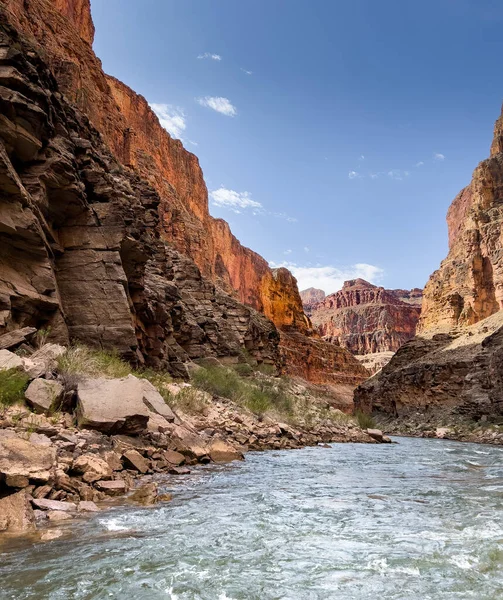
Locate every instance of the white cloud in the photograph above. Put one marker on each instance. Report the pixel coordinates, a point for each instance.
(362, 157)
(233, 200)
(397, 174)
(246, 71)
(239, 201)
(353, 175)
(438, 156)
(287, 251)
(221, 105)
(171, 118)
(420, 163)
(329, 278)
(210, 55)
(306, 249)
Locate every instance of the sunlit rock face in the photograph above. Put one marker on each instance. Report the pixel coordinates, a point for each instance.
(454, 362)
(137, 140)
(365, 318)
(108, 217)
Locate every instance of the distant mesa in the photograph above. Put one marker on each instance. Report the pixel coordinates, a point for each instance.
(364, 318)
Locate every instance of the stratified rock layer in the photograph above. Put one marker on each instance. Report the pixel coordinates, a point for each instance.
(365, 318)
(455, 362)
(81, 251)
(137, 140)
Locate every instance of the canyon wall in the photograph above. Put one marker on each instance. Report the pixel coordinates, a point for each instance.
(365, 318)
(80, 248)
(453, 363)
(136, 138)
(108, 218)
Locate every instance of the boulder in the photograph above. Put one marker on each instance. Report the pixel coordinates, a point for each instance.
(132, 459)
(43, 361)
(146, 495)
(16, 513)
(46, 504)
(128, 404)
(40, 439)
(113, 460)
(91, 467)
(21, 459)
(44, 395)
(9, 360)
(87, 506)
(58, 515)
(375, 434)
(443, 432)
(189, 443)
(173, 457)
(16, 337)
(222, 451)
(116, 487)
(179, 471)
(157, 423)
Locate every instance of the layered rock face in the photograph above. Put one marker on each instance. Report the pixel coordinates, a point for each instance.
(365, 318)
(136, 138)
(117, 248)
(81, 251)
(453, 363)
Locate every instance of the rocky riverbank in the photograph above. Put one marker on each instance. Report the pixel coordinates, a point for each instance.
(449, 427)
(79, 429)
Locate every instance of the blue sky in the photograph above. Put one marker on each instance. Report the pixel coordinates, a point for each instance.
(333, 135)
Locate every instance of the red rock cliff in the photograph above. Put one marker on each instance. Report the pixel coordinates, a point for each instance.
(468, 286)
(63, 32)
(137, 139)
(365, 318)
(79, 13)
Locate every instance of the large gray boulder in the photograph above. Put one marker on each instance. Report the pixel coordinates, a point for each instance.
(44, 395)
(119, 405)
(22, 462)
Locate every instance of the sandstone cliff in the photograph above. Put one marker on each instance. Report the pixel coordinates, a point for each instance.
(80, 248)
(453, 363)
(118, 248)
(365, 318)
(136, 138)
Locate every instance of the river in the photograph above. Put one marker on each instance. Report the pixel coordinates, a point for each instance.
(417, 520)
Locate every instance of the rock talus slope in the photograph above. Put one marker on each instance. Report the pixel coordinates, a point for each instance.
(453, 363)
(107, 236)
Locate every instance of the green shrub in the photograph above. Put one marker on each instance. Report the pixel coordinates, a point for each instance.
(243, 369)
(266, 369)
(81, 360)
(259, 395)
(219, 381)
(364, 420)
(188, 400)
(13, 383)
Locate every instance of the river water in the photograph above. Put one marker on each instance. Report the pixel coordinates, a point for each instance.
(418, 520)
